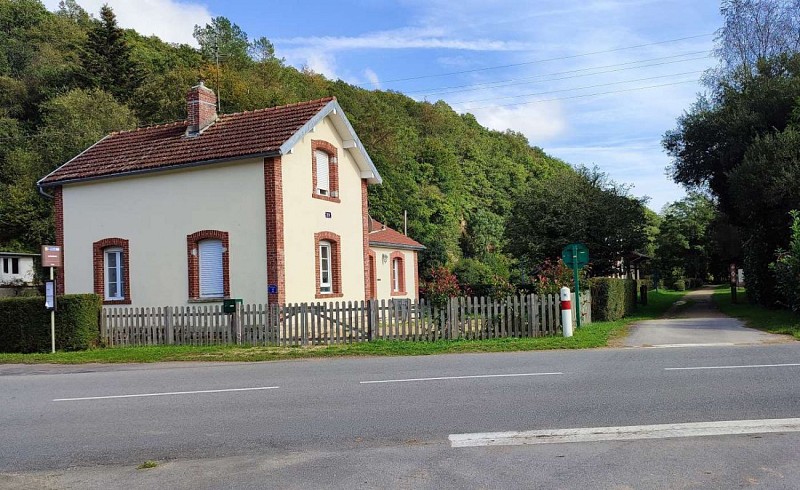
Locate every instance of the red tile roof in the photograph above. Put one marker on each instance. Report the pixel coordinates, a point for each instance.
(380, 234)
(256, 132)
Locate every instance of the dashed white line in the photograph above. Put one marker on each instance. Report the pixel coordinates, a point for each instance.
(440, 378)
(730, 367)
(625, 433)
(138, 395)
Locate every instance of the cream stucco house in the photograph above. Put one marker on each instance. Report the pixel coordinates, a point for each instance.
(267, 206)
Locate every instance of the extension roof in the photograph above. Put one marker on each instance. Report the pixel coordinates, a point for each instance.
(259, 133)
(381, 235)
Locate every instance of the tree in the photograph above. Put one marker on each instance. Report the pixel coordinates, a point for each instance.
(107, 58)
(224, 41)
(583, 206)
(755, 30)
(685, 245)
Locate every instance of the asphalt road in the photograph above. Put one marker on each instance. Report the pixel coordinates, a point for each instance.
(380, 422)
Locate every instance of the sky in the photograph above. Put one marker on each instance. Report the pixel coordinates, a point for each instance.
(593, 82)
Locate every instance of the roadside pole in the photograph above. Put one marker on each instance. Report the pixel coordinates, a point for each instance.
(52, 319)
(566, 312)
(577, 285)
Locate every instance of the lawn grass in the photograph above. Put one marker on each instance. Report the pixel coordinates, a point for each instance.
(597, 334)
(755, 316)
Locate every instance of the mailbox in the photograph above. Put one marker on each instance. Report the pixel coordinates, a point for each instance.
(229, 305)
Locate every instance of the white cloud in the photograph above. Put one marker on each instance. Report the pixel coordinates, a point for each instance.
(538, 123)
(319, 62)
(373, 78)
(170, 20)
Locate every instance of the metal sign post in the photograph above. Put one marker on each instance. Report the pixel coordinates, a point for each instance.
(575, 256)
(52, 258)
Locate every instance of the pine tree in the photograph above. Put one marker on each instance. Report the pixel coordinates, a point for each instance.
(106, 58)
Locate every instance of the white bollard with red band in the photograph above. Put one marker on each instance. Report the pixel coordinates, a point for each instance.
(566, 312)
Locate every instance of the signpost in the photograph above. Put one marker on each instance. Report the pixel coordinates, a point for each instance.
(52, 257)
(576, 256)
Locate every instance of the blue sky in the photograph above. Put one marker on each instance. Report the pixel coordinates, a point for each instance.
(593, 82)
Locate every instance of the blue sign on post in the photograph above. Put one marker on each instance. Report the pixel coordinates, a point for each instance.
(272, 289)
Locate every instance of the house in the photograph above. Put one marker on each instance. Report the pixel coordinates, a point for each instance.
(16, 269)
(269, 206)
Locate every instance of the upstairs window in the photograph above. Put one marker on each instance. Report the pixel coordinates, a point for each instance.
(323, 173)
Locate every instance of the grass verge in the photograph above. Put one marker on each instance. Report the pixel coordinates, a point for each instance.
(755, 316)
(597, 334)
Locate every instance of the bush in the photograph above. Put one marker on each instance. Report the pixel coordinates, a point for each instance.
(679, 285)
(25, 323)
(612, 299)
(441, 286)
(787, 269)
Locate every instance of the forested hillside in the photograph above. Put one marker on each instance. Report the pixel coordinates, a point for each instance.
(67, 79)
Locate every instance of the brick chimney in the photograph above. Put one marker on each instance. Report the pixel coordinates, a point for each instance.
(201, 109)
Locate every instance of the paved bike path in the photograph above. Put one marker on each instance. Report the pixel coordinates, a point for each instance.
(699, 322)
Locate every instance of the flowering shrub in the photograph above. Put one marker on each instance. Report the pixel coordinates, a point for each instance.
(441, 286)
(551, 276)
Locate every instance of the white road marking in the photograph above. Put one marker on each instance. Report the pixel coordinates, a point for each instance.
(457, 377)
(164, 394)
(670, 346)
(634, 432)
(730, 367)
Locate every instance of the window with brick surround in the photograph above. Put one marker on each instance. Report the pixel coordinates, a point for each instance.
(398, 273)
(324, 171)
(208, 255)
(112, 270)
(328, 265)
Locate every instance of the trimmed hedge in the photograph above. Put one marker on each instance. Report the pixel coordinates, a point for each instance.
(25, 323)
(612, 299)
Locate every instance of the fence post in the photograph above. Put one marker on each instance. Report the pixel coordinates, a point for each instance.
(236, 323)
(371, 303)
(168, 325)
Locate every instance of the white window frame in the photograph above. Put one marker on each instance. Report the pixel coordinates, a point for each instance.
(202, 280)
(323, 172)
(325, 267)
(120, 271)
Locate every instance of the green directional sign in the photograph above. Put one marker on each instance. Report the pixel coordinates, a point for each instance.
(576, 255)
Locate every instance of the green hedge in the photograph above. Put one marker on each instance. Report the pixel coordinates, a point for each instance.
(612, 299)
(25, 323)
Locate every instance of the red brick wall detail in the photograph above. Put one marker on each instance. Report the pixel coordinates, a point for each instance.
(58, 194)
(276, 259)
(371, 277)
(399, 256)
(194, 260)
(416, 275)
(336, 263)
(333, 170)
(99, 270)
(370, 286)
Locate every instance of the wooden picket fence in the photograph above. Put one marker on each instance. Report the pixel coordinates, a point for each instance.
(338, 322)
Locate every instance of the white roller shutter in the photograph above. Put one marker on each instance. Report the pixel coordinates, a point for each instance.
(323, 172)
(210, 259)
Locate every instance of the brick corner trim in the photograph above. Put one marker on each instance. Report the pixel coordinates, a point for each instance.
(370, 264)
(58, 194)
(193, 260)
(333, 169)
(98, 255)
(401, 280)
(336, 263)
(273, 204)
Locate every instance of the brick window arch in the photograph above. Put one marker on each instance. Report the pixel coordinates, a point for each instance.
(397, 261)
(332, 192)
(193, 258)
(111, 258)
(332, 264)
